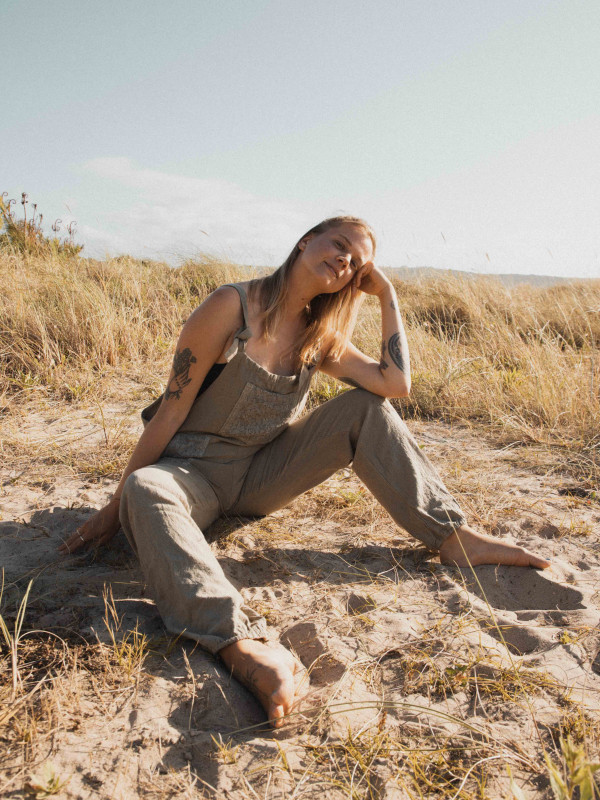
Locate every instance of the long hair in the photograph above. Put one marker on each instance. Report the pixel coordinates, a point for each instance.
(330, 317)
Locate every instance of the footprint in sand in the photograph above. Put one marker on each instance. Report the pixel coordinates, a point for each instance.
(518, 589)
(530, 608)
(304, 640)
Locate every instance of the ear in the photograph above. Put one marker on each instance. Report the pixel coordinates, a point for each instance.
(304, 241)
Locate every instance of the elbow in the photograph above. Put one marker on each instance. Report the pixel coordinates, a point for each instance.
(406, 383)
(406, 391)
(401, 389)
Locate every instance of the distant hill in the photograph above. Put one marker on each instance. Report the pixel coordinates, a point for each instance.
(416, 273)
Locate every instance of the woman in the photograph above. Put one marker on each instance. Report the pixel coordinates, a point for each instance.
(225, 438)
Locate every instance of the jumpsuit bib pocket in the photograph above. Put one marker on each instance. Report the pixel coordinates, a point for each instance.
(260, 414)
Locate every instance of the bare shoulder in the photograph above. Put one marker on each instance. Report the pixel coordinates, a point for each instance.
(221, 310)
(225, 298)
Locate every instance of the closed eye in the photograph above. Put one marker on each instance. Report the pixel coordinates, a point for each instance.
(341, 246)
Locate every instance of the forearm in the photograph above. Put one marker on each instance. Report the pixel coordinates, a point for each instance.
(394, 364)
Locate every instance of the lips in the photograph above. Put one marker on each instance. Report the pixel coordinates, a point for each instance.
(333, 271)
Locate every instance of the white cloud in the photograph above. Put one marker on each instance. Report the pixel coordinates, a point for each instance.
(173, 216)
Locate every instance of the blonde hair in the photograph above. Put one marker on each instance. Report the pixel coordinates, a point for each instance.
(330, 317)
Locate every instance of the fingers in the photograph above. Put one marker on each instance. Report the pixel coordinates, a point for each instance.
(366, 268)
(74, 542)
(97, 530)
(82, 538)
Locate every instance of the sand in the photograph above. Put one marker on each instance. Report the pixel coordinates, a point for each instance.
(426, 680)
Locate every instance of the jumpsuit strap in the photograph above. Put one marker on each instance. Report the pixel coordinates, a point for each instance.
(244, 333)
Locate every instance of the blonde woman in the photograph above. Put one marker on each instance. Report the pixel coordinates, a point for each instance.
(227, 437)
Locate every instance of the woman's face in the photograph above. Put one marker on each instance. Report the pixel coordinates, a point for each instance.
(336, 255)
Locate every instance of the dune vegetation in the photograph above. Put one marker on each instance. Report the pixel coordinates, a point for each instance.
(522, 362)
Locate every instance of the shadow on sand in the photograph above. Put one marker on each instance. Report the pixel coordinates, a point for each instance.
(192, 696)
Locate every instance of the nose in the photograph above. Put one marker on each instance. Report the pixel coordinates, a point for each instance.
(344, 258)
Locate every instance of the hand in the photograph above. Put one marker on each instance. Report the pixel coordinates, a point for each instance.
(97, 530)
(370, 280)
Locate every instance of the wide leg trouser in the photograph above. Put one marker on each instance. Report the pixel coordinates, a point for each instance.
(164, 509)
(165, 506)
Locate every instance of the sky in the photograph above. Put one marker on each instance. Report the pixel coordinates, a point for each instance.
(466, 132)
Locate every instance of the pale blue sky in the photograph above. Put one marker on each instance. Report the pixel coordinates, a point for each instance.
(466, 132)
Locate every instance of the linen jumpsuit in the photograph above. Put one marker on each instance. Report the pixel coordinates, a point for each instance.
(242, 450)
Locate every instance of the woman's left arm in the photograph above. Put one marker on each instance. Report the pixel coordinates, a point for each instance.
(390, 377)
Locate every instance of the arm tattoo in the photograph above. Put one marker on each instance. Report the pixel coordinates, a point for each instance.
(181, 378)
(352, 382)
(393, 306)
(395, 351)
(383, 363)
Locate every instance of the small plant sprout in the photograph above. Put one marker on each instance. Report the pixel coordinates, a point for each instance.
(46, 782)
(575, 772)
(12, 639)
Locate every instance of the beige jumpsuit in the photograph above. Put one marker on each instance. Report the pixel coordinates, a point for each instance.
(242, 450)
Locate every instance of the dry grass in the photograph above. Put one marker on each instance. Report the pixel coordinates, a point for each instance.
(436, 705)
(525, 362)
(66, 321)
(49, 686)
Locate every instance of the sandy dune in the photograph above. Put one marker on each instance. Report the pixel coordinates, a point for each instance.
(426, 680)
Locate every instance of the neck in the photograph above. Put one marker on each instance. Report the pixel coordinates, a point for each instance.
(299, 295)
(295, 307)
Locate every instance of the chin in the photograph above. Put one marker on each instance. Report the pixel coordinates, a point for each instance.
(339, 289)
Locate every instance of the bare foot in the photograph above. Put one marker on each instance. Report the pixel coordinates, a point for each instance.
(271, 673)
(465, 546)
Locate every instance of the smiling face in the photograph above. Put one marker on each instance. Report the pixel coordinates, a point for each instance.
(335, 255)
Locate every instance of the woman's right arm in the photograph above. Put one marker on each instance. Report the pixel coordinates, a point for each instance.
(203, 339)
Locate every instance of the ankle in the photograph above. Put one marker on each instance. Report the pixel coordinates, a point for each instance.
(241, 648)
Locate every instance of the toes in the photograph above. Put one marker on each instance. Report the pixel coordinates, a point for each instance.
(284, 693)
(537, 562)
(282, 701)
(276, 713)
(524, 558)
